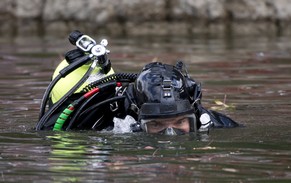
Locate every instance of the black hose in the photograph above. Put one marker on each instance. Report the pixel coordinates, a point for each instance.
(45, 117)
(129, 77)
(93, 107)
(81, 108)
(63, 73)
(46, 95)
(101, 103)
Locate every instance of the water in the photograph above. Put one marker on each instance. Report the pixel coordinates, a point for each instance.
(251, 75)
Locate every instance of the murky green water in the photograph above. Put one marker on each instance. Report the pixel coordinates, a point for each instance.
(252, 75)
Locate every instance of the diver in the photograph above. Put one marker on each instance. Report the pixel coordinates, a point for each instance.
(86, 94)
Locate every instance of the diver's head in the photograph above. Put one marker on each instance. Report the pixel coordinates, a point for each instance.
(164, 100)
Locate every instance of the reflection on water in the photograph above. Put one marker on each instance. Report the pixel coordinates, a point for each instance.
(252, 75)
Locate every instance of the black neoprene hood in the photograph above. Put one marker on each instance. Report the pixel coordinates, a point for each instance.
(160, 92)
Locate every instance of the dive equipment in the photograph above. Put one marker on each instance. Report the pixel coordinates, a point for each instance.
(95, 52)
(45, 117)
(159, 125)
(83, 107)
(86, 46)
(76, 60)
(63, 73)
(74, 55)
(205, 122)
(86, 94)
(67, 112)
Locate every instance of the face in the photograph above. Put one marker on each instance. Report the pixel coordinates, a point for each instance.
(157, 125)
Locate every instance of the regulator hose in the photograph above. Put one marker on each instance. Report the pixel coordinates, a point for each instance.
(70, 109)
(104, 88)
(63, 117)
(63, 73)
(47, 115)
(107, 82)
(119, 77)
(98, 105)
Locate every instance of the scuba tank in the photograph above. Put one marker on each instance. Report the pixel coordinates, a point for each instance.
(66, 83)
(76, 76)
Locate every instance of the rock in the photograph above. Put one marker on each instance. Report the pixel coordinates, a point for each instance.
(28, 8)
(147, 16)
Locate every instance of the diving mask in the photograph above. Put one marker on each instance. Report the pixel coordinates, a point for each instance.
(169, 126)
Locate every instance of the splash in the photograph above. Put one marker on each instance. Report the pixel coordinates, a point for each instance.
(123, 125)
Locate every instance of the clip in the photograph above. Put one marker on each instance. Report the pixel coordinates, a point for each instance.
(167, 84)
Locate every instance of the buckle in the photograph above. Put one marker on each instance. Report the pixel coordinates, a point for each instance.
(134, 108)
(114, 106)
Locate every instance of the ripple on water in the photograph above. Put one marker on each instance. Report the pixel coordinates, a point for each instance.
(251, 76)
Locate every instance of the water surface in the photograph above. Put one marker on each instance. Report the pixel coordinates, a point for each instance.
(252, 75)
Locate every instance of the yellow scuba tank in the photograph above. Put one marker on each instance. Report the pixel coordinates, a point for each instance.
(66, 83)
(86, 64)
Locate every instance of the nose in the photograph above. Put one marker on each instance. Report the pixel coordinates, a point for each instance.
(170, 131)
